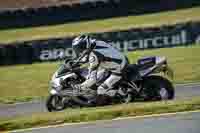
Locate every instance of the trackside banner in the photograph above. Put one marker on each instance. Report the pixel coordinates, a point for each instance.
(174, 38)
(130, 40)
(127, 40)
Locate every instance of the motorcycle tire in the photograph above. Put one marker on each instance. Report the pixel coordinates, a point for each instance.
(51, 107)
(158, 88)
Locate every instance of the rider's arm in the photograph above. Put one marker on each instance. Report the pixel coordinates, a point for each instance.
(82, 59)
(93, 62)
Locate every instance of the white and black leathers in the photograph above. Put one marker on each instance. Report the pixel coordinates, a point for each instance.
(104, 57)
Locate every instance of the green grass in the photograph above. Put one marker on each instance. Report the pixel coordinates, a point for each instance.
(71, 29)
(26, 82)
(99, 113)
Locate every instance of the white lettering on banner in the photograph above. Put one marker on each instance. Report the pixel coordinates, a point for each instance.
(126, 45)
(197, 41)
(158, 41)
(54, 54)
(154, 42)
(184, 37)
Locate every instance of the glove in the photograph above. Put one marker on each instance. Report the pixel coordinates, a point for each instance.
(69, 63)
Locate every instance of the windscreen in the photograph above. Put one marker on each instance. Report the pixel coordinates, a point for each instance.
(63, 69)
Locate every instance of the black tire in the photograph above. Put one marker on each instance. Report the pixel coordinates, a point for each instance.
(52, 107)
(154, 84)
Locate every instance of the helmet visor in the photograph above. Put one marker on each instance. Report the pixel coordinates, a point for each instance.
(77, 51)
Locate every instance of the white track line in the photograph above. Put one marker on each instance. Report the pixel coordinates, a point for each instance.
(188, 84)
(116, 119)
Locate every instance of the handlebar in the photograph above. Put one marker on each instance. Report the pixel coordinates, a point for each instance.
(69, 63)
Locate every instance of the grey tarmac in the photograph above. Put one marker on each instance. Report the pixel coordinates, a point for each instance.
(181, 91)
(177, 123)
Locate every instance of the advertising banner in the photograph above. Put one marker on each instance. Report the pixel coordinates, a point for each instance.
(127, 40)
(51, 50)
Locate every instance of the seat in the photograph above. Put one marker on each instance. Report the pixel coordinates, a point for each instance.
(146, 62)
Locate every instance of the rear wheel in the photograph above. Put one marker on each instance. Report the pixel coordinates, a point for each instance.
(157, 88)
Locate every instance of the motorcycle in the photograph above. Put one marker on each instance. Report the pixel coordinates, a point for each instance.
(141, 81)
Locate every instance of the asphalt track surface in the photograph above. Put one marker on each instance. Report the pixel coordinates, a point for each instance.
(181, 91)
(176, 123)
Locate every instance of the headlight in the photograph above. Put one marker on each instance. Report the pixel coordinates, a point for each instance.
(53, 92)
(55, 86)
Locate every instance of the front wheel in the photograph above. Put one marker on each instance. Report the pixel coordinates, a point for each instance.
(55, 103)
(157, 88)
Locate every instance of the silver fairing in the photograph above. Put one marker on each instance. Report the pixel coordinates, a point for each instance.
(55, 82)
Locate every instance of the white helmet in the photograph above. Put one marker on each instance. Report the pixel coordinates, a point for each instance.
(82, 44)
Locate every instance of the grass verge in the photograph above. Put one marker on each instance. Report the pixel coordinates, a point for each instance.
(22, 83)
(120, 23)
(100, 113)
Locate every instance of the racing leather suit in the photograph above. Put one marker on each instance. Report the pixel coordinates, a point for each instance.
(104, 57)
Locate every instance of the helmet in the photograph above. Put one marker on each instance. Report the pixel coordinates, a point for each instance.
(81, 44)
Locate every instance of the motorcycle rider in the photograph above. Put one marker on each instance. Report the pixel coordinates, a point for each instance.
(100, 55)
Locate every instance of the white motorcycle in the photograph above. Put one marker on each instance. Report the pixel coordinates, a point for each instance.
(141, 81)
